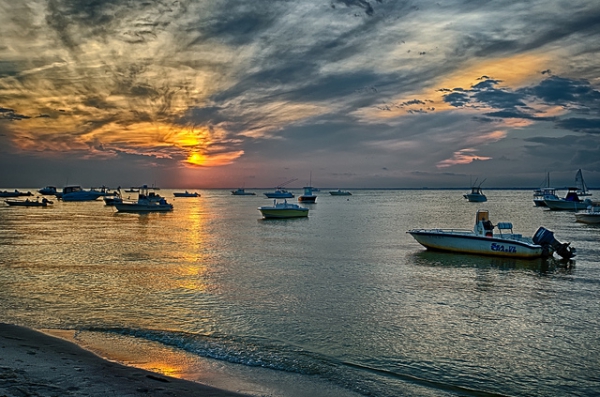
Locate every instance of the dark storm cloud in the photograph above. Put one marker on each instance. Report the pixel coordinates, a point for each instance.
(575, 95)
(591, 126)
(9, 114)
(566, 92)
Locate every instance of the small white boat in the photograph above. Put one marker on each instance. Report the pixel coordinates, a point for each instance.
(476, 195)
(590, 215)
(77, 193)
(571, 201)
(340, 193)
(48, 190)
(29, 203)
(242, 192)
(279, 193)
(308, 197)
(186, 194)
(539, 195)
(483, 240)
(283, 210)
(15, 193)
(146, 202)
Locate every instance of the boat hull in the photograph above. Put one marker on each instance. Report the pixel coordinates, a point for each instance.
(26, 203)
(134, 207)
(242, 192)
(589, 218)
(280, 214)
(279, 195)
(476, 198)
(307, 199)
(566, 205)
(471, 244)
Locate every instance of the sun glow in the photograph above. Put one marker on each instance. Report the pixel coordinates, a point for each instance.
(196, 159)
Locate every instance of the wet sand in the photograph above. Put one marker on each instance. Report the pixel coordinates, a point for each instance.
(36, 364)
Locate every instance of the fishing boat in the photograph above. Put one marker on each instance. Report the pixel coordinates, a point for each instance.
(77, 193)
(186, 194)
(29, 203)
(308, 197)
(242, 192)
(281, 210)
(146, 202)
(340, 192)
(483, 240)
(280, 192)
(14, 193)
(48, 190)
(476, 195)
(591, 215)
(571, 201)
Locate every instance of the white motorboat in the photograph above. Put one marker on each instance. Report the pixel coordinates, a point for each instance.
(484, 241)
(476, 195)
(281, 210)
(77, 193)
(146, 202)
(186, 194)
(340, 192)
(539, 195)
(15, 193)
(48, 190)
(242, 192)
(308, 197)
(29, 203)
(590, 215)
(280, 192)
(571, 201)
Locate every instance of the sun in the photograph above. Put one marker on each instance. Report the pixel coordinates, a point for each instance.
(196, 159)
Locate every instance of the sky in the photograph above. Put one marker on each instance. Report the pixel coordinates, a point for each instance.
(336, 93)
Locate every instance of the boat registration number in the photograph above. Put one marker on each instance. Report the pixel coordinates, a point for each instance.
(501, 248)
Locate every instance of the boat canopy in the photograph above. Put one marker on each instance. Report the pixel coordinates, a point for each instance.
(482, 215)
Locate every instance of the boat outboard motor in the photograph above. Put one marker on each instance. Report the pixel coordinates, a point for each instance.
(545, 237)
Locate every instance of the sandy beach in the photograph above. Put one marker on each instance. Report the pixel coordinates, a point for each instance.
(36, 364)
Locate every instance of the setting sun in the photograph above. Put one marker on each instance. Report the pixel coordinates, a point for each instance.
(196, 159)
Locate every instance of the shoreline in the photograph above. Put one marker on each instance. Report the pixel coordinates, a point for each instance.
(35, 363)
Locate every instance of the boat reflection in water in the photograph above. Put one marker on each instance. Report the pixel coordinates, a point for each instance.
(453, 260)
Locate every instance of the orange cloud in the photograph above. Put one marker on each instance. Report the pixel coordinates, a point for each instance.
(463, 156)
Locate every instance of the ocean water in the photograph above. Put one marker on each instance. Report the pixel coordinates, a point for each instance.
(342, 303)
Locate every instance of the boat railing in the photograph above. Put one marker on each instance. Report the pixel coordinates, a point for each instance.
(449, 231)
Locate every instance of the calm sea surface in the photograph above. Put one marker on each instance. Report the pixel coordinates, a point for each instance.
(345, 300)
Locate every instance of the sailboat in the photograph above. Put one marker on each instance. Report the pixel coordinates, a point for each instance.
(540, 194)
(582, 189)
